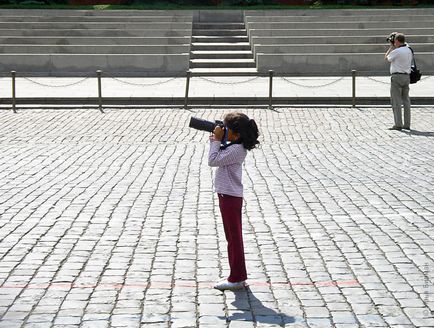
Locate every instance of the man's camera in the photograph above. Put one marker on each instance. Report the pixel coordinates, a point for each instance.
(204, 125)
(391, 37)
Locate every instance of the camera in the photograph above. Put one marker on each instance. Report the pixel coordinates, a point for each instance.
(391, 37)
(204, 125)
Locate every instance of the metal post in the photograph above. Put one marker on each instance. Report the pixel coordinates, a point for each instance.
(353, 74)
(270, 91)
(187, 87)
(14, 102)
(98, 73)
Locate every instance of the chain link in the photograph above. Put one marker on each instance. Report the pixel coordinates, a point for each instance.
(312, 86)
(239, 82)
(55, 86)
(142, 84)
(205, 79)
(378, 81)
(382, 82)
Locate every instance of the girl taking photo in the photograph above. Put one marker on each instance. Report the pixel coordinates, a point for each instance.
(240, 134)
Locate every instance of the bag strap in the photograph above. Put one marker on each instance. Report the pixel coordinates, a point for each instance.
(414, 59)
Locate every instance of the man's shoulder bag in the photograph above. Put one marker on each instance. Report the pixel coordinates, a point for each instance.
(415, 74)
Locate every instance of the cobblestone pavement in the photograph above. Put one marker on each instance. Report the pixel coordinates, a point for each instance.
(109, 220)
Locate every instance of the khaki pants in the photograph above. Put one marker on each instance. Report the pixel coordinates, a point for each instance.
(399, 95)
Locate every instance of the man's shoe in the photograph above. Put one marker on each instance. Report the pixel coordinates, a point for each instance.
(226, 285)
(406, 127)
(397, 128)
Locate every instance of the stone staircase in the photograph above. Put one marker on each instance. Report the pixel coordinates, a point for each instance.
(221, 48)
(79, 42)
(335, 42)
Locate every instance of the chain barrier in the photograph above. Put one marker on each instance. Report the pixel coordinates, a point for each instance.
(312, 86)
(55, 86)
(239, 82)
(388, 82)
(205, 79)
(378, 81)
(138, 84)
(188, 77)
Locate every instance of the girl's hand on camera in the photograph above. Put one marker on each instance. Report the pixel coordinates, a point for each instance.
(218, 133)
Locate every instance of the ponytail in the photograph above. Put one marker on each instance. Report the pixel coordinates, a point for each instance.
(245, 127)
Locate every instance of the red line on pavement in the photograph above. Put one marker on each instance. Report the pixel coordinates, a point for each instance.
(178, 284)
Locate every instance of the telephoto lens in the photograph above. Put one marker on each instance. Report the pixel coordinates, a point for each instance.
(203, 125)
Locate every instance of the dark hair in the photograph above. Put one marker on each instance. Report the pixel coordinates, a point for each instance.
(400, 37)
(247, 129)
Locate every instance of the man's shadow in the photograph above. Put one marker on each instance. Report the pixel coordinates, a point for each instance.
(251, 309)
(418, 133)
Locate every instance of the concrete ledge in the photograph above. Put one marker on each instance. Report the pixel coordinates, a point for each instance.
(342, 25)
(81, 13)
(65, 33)
(341, 12)
(340, 18)
(223, 16)
(91, 49)
(97, 25)
(86, 65)
(211, 101)
(334, 64)
(122, 19)
(95, 40)
(333, 48)
(337, 32)
(374, 39)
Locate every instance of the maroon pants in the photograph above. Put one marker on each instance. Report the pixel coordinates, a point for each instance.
(231, 209)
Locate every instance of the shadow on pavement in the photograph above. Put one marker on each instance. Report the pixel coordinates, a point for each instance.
(251, 309)
(418, 133)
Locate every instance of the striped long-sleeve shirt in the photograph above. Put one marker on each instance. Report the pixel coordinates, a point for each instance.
(229, 161)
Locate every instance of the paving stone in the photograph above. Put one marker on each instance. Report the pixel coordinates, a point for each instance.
(110, 219)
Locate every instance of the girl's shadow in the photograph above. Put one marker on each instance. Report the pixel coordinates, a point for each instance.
(250, 308)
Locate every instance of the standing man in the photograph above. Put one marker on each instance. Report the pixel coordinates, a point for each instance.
(400, 57)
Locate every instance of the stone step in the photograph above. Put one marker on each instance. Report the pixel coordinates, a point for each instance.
(86, 64)
(239, 32)
(376, 39)
(335, 64)
(340, 25)
(238, 46)
(220, 54)
(337, 12)
(58, 32)
(219, 16)
(94, 25)
(94, 19)
(219, 39)
(340, 18)
(334, 48)
(221, 63)
(218, 26)
(93, 13)
(331, 33)
(95, 40)
(94, 49)
(224, 71)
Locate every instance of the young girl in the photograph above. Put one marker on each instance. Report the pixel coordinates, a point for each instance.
(242, 135)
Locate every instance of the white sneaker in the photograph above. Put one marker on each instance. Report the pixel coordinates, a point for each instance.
(226, 285)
